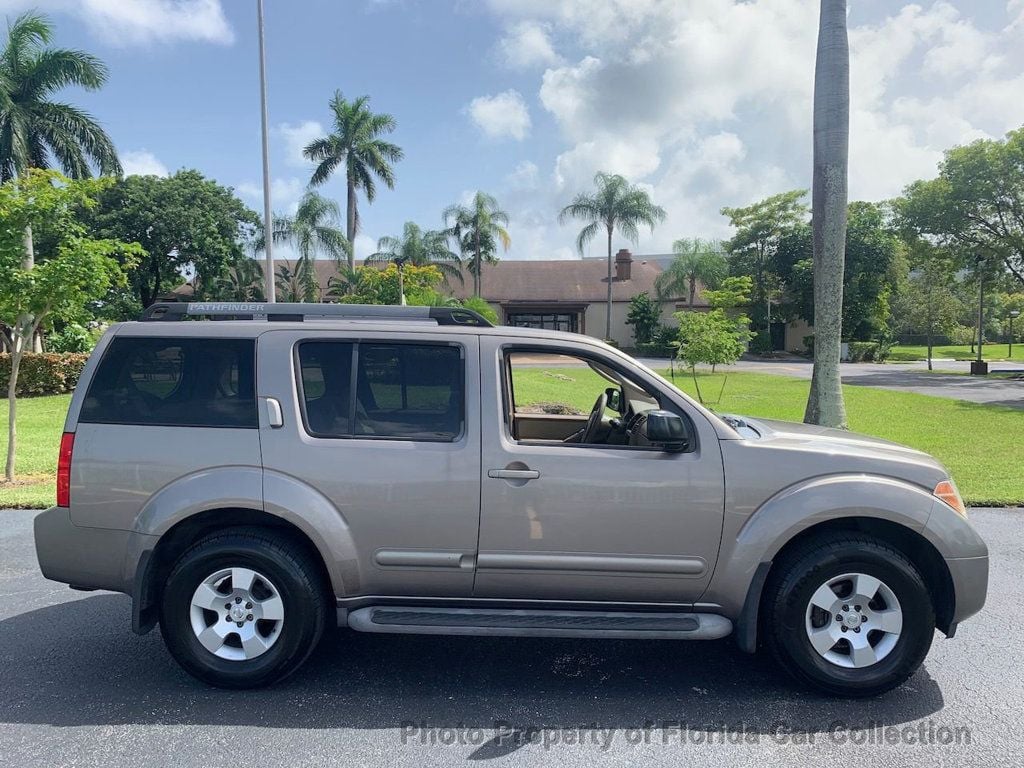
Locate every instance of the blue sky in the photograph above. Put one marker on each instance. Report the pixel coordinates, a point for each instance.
(705, 103)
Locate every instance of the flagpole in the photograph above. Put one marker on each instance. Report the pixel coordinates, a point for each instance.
(268, 219)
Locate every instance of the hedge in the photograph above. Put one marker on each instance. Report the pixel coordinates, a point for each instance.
(43, 374)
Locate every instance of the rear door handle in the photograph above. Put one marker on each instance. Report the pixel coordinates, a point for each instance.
(513, 474)
(275, 418)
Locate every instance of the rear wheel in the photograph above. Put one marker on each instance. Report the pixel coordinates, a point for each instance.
(243, 608)
(849, 615)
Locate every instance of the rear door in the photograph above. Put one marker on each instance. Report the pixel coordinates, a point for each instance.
(388, 431)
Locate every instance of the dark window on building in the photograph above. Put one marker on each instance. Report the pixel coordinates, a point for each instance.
(552, 321)
(403, 391)
(326, 368)
(193, 382)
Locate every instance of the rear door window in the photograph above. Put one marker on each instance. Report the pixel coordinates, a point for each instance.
(402, 391)
(180, 382)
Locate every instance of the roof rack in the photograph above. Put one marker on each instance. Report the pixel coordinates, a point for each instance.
(288, 312)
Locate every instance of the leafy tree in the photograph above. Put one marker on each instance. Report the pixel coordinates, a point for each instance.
(478, 228)
(185, 223)
(719, 336)
(645, 317)
(928, 306)
(828, 202)
(976, 205)
(290, 282)
(696, 261)
(355, 143)
(311, 231)
(481, 307)
(760, 228)
(615, 204)
(34, 128)
(74, 271)
(420, 248)
(381, 286)
(873, 272)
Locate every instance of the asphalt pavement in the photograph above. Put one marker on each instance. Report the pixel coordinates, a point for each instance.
(77, 688)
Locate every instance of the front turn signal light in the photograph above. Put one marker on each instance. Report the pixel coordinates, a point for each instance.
(946, 490)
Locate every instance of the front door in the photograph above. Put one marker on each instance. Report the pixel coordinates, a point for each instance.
(605, 518)
(388, 433)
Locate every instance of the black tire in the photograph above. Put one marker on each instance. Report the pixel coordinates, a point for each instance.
(794, 580)
(291, 570)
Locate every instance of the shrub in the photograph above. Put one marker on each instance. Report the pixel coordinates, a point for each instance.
(809, 345)
(868, 351)
(44, 374)
(644, 314)
(72, 338)
(761, 344)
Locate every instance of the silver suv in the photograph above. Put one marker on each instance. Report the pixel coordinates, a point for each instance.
(410, 469)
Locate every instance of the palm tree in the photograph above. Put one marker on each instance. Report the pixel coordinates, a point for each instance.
(418, 248)
(243, 280)
(35, 129)
(356, 143)
(312, 230)
(347, 282)
(478, 228)
(695, 261)
(615, 204)
(828, 211)
(290, 283)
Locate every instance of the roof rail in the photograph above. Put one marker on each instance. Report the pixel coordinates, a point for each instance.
(289, 312)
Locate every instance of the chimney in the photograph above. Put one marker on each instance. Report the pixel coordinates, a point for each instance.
(623, 264)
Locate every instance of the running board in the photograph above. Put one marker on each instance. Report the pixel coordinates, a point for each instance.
(539, 623)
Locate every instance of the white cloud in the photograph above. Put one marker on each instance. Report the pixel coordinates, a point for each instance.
(503, 115)
(284, 194)
(364, 245)
(527, 44)
(141, 22)
(296, 137)
(142, 162)
(709, 104)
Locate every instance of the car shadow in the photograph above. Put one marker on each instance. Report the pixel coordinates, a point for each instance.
(76, 663)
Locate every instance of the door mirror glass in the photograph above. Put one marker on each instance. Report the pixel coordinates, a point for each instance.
(614, 399)
(666, 430)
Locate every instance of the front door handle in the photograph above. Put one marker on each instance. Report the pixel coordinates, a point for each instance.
(513, 474)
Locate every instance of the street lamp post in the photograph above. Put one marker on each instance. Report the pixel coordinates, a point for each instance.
(979, 367)
(1014, 313)
(268, 220)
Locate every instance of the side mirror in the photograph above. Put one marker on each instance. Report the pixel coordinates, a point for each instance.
(666, 430)
(614, 399)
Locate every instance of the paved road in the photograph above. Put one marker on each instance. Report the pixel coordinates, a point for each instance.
(908, 377)
(77, 688)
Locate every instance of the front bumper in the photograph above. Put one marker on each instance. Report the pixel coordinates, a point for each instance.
(90, 558)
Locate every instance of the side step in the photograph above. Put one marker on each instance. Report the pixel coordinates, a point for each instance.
(539, 623)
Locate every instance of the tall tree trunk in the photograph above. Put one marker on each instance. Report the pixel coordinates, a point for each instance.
(828, 200)
(608, 307)
(693, 290)
(21, 335)
(476, 274)
(350, 223)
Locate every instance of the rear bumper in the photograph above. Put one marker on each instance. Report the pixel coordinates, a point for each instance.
(93, 558)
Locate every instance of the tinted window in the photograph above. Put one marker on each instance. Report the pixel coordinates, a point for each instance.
(406, 391)
(174, 382)
(326, 371)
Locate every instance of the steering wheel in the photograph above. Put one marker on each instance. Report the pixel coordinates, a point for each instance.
(594, 419)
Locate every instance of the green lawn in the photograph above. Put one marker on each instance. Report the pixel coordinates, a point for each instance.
(980, 444)
(902, 354)
(40, 422)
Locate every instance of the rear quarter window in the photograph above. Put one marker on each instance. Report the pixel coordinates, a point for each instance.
(180, 382)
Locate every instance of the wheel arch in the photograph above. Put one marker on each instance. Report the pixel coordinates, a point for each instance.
(917, 548)
(155, 564)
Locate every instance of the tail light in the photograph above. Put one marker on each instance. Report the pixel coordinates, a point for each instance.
(947, 491)
(67, 444)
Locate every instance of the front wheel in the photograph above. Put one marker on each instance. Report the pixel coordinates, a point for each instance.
(243, 608)
(849, 615)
